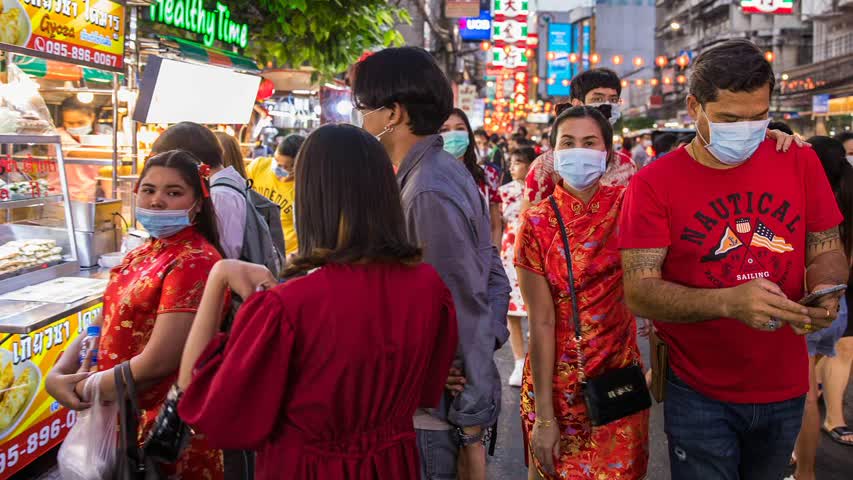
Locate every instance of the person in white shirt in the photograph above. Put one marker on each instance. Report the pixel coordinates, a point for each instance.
(229, 204)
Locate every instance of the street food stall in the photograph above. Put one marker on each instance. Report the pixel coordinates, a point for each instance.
(49, 51)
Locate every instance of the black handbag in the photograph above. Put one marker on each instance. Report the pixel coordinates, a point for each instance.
(132, 463)
(614, 394)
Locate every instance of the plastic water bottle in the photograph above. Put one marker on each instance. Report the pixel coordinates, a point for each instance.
(90, 344)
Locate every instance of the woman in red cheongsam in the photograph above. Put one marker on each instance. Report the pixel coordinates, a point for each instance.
(563, 443)
(151, 300)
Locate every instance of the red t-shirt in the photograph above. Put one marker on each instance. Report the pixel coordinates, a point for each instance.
(724, 228)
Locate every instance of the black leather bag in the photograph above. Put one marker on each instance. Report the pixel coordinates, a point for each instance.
(614, 394)
(132, 463)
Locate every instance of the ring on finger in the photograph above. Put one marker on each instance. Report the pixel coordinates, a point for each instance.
(773, 324)
(827, 313)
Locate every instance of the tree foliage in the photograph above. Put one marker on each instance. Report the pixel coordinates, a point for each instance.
(327, 35)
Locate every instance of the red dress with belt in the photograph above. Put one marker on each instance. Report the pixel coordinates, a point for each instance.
(162, 276)
(321, 375)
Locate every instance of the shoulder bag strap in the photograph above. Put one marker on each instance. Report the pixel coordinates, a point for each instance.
(576, 317)
(121, 398)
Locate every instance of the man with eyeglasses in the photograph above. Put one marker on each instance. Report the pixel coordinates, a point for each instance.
(599, 88)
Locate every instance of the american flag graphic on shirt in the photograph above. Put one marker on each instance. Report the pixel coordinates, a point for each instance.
(764, 237)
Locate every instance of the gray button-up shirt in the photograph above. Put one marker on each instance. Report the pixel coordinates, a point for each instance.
(447, 215)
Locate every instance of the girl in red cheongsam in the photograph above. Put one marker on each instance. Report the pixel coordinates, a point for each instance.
(151, 300)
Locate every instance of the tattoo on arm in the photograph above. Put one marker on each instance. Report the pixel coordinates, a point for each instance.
(649, 295)
(825, 260)
(643, 262)
(822, 242)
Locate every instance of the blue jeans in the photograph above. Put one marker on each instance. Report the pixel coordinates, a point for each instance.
(438, 450)
(712, 440)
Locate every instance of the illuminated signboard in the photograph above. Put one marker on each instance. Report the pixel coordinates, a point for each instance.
(475, 29)
(87, 32)
(212, 25)
(776, 7)
(561, 38)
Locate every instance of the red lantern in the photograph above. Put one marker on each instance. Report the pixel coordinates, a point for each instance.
(661, 61)
(265, 90)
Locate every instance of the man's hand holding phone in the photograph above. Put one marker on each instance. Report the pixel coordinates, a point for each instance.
(823, 304)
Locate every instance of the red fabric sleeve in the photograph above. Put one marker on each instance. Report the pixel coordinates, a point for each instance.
(822, 211)
(528, 251)
(644, 221)
(184, 283)
(255, 358)
(446, 342)
(539, 183)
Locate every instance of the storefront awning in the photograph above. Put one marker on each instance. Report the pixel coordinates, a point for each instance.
(55, 70)
(215, 56)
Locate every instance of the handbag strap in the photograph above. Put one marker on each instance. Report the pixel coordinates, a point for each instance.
(576, 317)
(129, 412)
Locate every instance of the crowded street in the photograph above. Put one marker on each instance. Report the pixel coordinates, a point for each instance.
(426, 239)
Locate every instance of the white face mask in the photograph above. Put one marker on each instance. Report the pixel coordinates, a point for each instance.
(850, 160)
(580, 167)
(78, 131)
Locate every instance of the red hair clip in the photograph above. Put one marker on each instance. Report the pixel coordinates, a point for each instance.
(204, 173)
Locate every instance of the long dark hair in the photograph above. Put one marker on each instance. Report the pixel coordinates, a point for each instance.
(470, 157)
(585, 112)
(348, 206)
(191, 137)
(839, 172)
(187, 165)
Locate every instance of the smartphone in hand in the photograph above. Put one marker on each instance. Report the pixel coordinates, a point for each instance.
(814, 298)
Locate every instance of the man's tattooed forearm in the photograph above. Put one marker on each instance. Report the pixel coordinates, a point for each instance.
(643, 262)
(820, 242)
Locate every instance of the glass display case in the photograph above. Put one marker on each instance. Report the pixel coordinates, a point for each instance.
(37, 241)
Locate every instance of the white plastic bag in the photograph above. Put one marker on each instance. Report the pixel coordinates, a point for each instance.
(89, 450)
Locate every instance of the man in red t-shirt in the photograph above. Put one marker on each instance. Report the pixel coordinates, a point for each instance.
(717, 240)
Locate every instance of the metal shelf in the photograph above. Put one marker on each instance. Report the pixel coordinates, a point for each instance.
(7, 138)
(31, 202)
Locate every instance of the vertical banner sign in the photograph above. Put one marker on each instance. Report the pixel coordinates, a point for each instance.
(561, 39)
(775, 7)
(461, 8)
(85, 32)
(508, 58)
(31, 421)
(465, 100)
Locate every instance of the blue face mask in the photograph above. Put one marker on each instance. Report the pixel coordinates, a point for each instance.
(164, 223)
(455, 142)
(734, 143)
(280, 172)
(580, 167)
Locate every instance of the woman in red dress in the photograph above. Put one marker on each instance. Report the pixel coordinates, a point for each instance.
(151, 300)
(322, 375)
(563, 443)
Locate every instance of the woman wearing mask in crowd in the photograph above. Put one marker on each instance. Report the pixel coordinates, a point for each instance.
(273, 178)
(230, 205)
(557, 428)
(822, 344)
(232, 156)
(459, 142)
(341, 374)
(846, 139)
(511, 193)
(151, 300)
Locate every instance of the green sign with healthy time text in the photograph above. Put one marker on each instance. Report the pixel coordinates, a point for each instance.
(212, 25)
